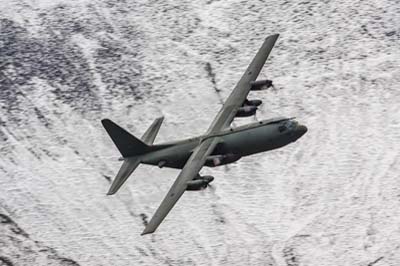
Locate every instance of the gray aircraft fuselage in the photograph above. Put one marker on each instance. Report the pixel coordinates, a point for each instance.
(234, 143)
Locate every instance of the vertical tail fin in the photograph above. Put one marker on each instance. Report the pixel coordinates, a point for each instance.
(127, 144)
(130, 147)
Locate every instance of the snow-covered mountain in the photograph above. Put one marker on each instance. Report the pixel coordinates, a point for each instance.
(332, 198)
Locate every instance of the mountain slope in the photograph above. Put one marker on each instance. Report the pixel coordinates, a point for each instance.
(329, 199)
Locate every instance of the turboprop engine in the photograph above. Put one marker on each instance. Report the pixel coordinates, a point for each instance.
(252, 103)
(259, 85)
(199, 182)
(216, 160)
(245, 111)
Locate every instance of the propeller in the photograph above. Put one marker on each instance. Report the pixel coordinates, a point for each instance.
(255, 114)
(226, 167)
(208, 180)
(211, 187)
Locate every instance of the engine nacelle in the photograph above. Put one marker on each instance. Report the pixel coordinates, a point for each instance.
(259, 85)
(216, 160)
(196, 185)
(199, 182)
(245, 111)
(252, 103)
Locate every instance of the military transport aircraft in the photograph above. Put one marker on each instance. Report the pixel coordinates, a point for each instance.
(220, 145)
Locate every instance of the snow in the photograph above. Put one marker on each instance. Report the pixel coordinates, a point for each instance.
(332, 198)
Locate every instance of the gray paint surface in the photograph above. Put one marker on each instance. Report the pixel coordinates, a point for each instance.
(192, 154)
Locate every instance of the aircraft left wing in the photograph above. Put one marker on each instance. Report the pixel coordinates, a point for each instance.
(242, 88)
(189, 171)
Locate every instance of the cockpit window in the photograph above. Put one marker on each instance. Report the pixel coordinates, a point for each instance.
(291, 124)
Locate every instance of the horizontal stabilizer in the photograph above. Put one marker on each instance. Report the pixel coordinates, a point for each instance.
(127, 144)
(129, 165)
(151, 133)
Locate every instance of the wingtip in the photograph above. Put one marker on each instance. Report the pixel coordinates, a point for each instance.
(110, 192)
(146, 232)
(104, 120)
(160, 119)
(276, 35)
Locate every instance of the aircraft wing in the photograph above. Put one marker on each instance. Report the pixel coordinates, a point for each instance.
(239, 93)
(206, 147)
(189, 171)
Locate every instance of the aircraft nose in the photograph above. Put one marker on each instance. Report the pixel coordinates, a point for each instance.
(301, 130)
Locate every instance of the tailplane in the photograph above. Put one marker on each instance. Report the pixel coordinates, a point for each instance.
(128, 166)
(131, 148)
